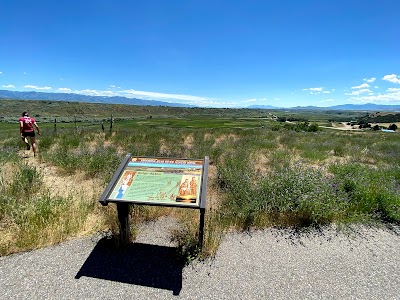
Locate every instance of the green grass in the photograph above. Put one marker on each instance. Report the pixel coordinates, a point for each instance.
(262, 173)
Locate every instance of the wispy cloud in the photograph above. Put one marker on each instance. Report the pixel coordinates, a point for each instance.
(315, 89)
(1, 72)
(257, 100)
(63, 89)
(91, 92)
(393, 90)
(361, 86)
(318, 90)
(391, 95)
(327, 100)
(369, 80)
(162, 96)
(393, 78)
(358, 92)
(131, 93)
(249, 100)
(8, 86)
(35, 87)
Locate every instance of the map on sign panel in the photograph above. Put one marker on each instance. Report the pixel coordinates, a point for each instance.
(159, 181)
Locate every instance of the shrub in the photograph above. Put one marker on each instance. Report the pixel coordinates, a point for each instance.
(372, 193)
(393, 127)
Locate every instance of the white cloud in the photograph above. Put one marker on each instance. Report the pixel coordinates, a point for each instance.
(327, 100)
(317, 89)
(131, 93)
(392, 96)
(63, 89)
(376, 87)
(25, 73)
(393, 78)
(359, 92)
(361, 86)
(249, 100)
(37, 87)
(8, 86)
(369, 80)
(90, 92)
(1, 72)
(393, 90)
(256, 100)
(112, 86)
(162, 96)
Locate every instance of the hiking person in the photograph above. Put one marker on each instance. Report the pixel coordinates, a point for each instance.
(26, 129)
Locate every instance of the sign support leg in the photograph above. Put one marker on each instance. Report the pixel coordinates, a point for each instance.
(201, 227)
(123, 218)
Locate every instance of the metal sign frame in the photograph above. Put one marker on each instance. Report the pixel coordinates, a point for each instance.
(159, 167)
(123, 205)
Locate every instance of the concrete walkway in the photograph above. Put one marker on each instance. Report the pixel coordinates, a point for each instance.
(270, 264)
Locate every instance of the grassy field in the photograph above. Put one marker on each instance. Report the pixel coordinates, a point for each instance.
(262, 173)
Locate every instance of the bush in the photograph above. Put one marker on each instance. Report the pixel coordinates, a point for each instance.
(313, 127)
(372, 194)
(26, 181)
(393, 127)
(295, 195)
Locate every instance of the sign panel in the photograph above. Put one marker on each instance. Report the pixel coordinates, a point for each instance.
(158, 181)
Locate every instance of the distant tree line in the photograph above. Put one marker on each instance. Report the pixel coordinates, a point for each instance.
(364, 124)
(292, 119)
(303, 126)
(390, 118)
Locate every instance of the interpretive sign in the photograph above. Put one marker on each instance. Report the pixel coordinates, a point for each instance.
(159, 181)
(179, 182)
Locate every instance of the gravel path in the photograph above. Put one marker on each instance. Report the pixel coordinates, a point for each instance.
(269, 264)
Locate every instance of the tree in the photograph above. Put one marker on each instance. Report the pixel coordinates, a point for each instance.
(376, 127)
(393, 127)
(281, 119)
(313, 127)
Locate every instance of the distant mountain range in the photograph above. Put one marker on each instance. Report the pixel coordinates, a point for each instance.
(356, 107)
(6, 94)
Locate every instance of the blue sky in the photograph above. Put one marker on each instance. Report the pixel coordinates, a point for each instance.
(207, 53)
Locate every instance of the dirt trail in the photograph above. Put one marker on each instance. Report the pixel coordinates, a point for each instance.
(342, 126)
(58, 184)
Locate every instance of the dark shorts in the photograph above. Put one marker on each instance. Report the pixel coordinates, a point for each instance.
(28, 133)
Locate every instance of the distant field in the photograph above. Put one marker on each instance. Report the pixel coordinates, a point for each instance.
(46, 111)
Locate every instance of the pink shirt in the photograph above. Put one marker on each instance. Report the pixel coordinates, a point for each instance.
(27, 123)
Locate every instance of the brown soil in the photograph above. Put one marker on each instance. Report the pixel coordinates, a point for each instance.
(76, 185)
(222, 138)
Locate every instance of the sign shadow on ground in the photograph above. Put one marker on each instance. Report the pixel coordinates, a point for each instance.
(140, 264)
